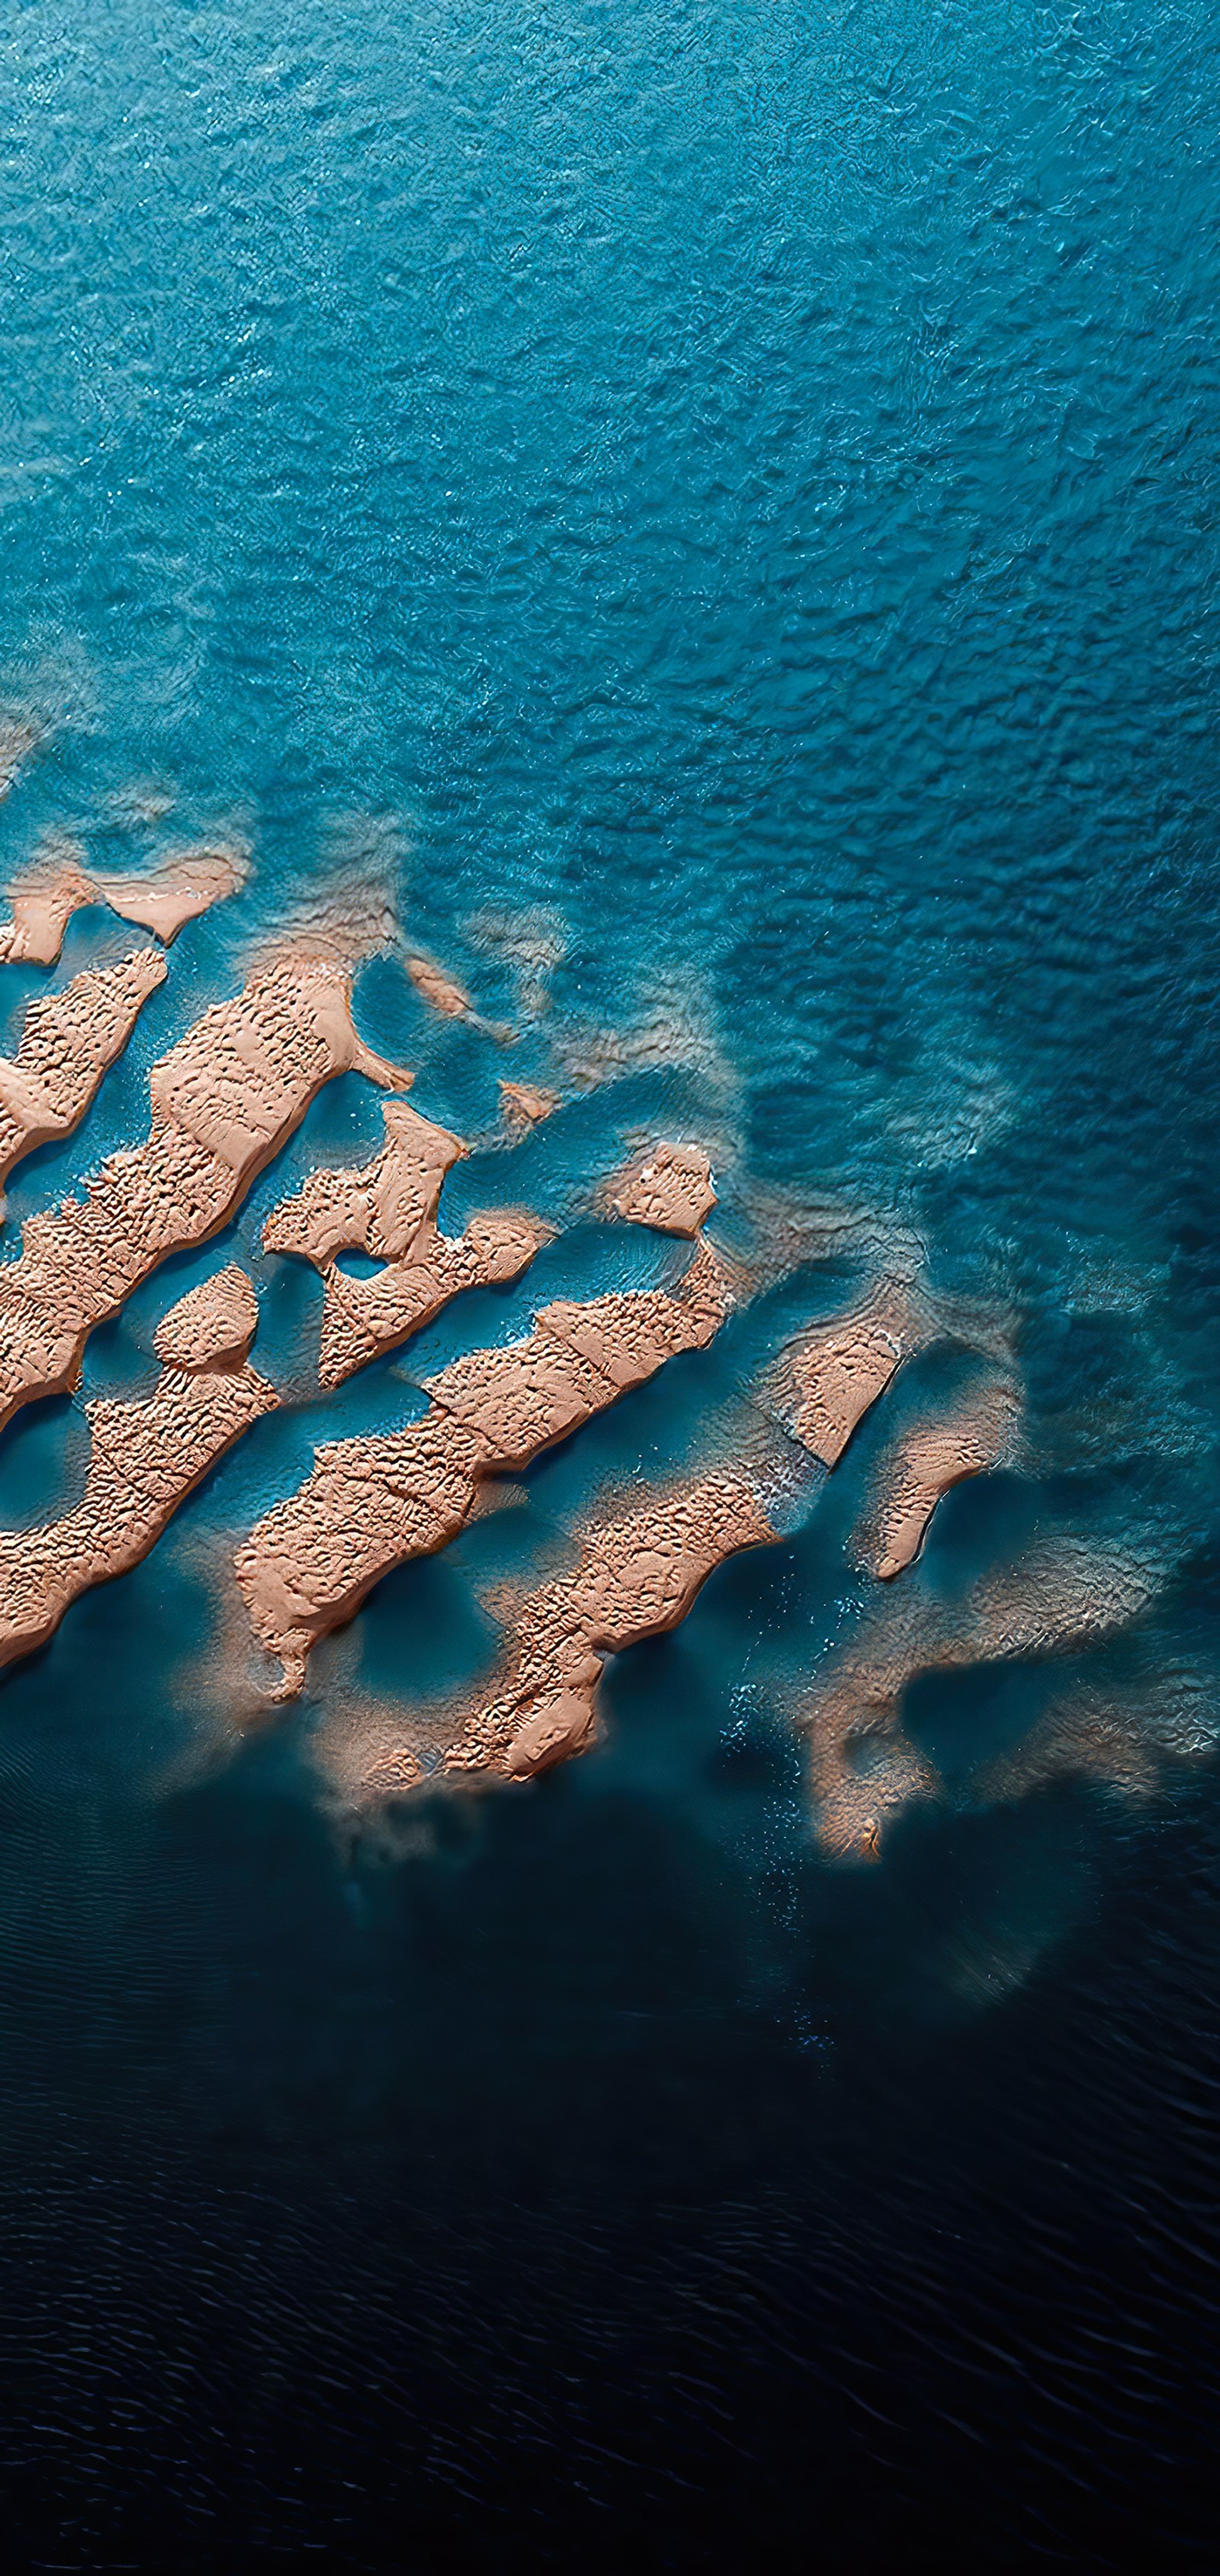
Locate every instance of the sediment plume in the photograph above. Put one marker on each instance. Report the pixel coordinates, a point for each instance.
(1060, 1594)
(223, 1101)
(69, 1040)
(387, 1210)
(163, 901)
(145, 1458)
(965, 1439)
(670, 1187)
(373, 1502)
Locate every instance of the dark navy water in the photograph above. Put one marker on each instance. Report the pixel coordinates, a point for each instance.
(714, 513)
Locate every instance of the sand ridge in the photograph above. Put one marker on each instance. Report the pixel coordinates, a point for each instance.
(372, 1502)
(167, 898)
(68, 1041)
(959, 1440)
(640, 1568)
(387, 1209)
(223, 1101)
(670, 1187)
(831, 1374)
(145, 1458)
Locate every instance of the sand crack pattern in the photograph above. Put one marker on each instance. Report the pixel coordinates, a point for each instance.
(223, 1102)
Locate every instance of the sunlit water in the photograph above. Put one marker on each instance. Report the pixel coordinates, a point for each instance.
(713, 513)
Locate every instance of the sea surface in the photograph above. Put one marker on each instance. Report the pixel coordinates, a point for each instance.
(712, 514)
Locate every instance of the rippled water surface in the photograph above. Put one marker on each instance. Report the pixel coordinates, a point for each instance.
(712, 514)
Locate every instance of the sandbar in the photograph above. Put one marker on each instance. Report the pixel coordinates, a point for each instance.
(830, 1375)
(163, 901)
(526, 1104)
(223, 1102)
(639, 1571)
(372, 1502)
(68, 1041)
(441, 991)
(963, 1440)
(145, 1458)
(670, 1187)
(387, 1209)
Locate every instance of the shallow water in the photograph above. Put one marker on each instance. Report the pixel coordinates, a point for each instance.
(711, 513)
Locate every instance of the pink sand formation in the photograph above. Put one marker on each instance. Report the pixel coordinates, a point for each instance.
(670, 1186)
(145, 1458)
(372, 1502)
(526, 1104)
(441, 991)
(832, 1374)
(68, 1042)
(639, 1571)
(42, 909)
(162, 902)
(388, 1210)
(223, 1100)
(212, 1327)
(925, 1461)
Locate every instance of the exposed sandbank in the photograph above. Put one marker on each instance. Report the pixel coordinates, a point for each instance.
(145, 1458)
(43, 903)
(639, 1572)
(68, 1041)
(670, 1187)
(831, 1374)
(387, 1209)
(372, 1502)
(223, 1102)
(443, 992)
(964, 1440)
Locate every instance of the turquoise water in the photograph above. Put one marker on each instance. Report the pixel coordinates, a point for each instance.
(714, 513)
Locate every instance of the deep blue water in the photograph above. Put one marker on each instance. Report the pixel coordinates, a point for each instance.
(722, 501)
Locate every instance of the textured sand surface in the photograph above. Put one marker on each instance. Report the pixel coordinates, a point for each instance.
(145, 1458)
(929, 1457)
(372, 1502)
(162, 902)
(68, 1042)
(223, 1102)
(443, 992)
(670, 1187)
(830, 1375)
(387, 1209)
(526, 1104)
(639, 1572)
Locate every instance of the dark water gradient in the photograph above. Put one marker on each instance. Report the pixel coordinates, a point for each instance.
(731, 490)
